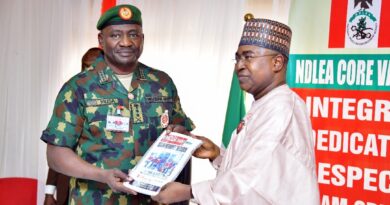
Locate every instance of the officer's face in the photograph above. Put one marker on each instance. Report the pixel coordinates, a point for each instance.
(255, 69)
(122, 44)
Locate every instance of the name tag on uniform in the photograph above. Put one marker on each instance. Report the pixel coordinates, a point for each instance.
(117, 123)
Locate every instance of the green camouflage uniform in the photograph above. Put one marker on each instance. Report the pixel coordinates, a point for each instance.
(79, 120)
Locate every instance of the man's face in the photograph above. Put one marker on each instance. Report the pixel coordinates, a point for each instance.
(122, 44)
(254, 68)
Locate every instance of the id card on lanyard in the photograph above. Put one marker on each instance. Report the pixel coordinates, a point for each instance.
(116, 122)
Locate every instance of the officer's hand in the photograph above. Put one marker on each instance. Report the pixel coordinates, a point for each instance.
(173, 192)
(177, 128)
(115, 178)
(49, 200)
(208, 150)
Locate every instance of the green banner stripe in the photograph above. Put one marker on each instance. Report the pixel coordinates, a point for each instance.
(235, 110)
(340, 72)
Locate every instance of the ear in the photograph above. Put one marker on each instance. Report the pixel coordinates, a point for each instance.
(278, 62)
(143, 40)
(100, 39)
(142, 43)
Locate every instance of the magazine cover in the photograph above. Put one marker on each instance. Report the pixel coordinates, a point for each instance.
(162, 163)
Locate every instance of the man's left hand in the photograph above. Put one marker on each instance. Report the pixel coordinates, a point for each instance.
(173, 192)
(177, 128)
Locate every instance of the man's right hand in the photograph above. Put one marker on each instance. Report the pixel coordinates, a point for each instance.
(114, 179)
(49, 200)
(208, 150)
(65, 160)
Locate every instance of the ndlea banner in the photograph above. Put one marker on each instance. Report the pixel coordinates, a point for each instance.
(340, 66)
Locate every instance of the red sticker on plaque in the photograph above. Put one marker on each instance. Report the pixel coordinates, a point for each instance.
(164, 119)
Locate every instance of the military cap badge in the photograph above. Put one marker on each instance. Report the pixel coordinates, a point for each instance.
(125, 13)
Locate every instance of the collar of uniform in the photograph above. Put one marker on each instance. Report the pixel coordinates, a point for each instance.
(104, 72)
(139, 72)
(103, 77)
(138, 77)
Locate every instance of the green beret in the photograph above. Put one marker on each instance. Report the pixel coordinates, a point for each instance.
(121, 14)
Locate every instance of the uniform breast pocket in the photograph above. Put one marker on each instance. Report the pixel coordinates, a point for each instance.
(154, 107)
(98, 109)
(96, 113)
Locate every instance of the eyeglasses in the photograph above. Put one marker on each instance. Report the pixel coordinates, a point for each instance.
(249, 58)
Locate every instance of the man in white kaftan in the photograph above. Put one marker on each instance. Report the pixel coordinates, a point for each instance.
(270, 159)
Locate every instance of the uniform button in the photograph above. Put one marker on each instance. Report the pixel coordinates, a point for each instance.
(130, 96)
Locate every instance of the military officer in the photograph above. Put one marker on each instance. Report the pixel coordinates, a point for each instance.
(105, 118)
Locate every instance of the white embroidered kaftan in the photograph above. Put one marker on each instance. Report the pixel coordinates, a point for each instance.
(270, 161)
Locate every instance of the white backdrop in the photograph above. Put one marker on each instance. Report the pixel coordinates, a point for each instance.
(42, 42)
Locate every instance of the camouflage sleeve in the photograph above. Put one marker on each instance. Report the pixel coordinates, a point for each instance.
(178, 115)
(66, 122)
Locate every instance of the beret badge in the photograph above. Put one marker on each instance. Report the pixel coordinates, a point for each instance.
(125, 13)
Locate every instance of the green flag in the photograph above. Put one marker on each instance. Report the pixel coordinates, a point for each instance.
(235, 110)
